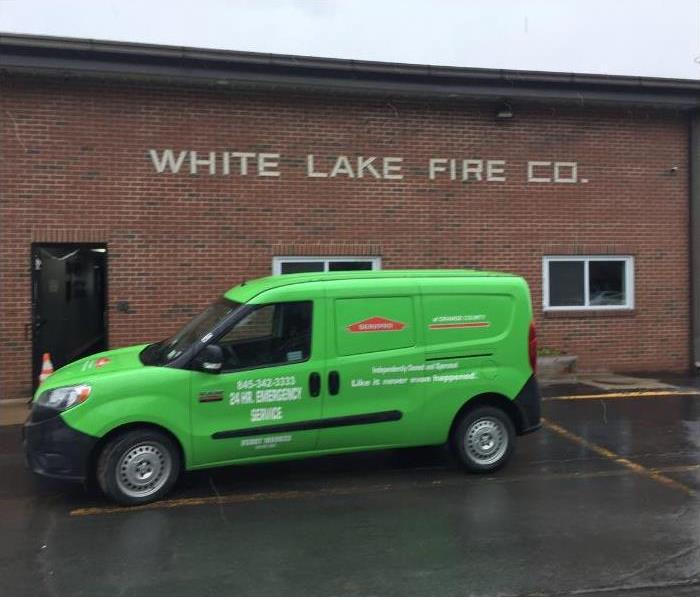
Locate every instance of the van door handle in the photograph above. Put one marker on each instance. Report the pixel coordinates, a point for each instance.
(314, 384)
(333, 383)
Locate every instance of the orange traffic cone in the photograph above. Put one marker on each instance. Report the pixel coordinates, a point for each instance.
(46, 367)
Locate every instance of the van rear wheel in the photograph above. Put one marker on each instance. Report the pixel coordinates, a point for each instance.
(483, 439)
(138, 466)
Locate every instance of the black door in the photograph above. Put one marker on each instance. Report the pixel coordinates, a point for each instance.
(68, 302)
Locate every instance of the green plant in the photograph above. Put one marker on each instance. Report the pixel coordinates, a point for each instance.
(548, 352)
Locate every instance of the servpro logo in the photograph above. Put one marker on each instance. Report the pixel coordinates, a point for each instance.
(375, 324)
(100, 362)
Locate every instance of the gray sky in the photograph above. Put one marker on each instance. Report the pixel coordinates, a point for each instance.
(624, 37)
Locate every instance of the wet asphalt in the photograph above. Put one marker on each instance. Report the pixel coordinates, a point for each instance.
(604, 500)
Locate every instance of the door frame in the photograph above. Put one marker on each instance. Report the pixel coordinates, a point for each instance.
(34, 280)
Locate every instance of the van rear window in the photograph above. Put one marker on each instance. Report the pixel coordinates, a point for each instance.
(374, 324)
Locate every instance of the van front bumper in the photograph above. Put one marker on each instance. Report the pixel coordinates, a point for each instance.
(53, 449)
(528, 404)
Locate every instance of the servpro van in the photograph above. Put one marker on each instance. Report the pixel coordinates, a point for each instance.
(296, 366)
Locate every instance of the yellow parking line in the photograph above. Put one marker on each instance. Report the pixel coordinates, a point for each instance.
(226, 499)
(676, 469)
(299, 494)
(644, 394)
(616, 458)
(182, 502)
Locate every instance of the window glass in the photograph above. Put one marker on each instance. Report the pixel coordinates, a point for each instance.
(272, 334)
(349, 265)
(311, 266)
(566, 283)
(254, 325)
(589, 282)
(606, 282)
(205, 322)
(320, 264)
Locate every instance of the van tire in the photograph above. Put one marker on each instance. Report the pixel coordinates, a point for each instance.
(483, 439)
(138, 466)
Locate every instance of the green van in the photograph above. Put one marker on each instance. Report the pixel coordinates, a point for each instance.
(295, 366)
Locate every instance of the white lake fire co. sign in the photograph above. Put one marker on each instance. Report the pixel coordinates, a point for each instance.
(267, 164)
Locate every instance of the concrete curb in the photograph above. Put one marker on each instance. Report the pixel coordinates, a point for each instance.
(14, 401)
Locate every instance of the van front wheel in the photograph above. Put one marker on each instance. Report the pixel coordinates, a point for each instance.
(483, 439)
(138, 466)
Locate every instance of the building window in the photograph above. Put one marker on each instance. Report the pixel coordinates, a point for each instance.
(588, 282)
(284, 265)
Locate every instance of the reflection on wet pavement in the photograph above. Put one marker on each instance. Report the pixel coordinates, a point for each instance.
(562, 517)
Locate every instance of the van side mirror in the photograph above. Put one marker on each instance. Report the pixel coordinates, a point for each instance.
(209, 360)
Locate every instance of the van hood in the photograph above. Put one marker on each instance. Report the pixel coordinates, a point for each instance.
(86, 369)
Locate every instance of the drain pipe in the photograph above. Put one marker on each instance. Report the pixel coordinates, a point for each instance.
(694, 235)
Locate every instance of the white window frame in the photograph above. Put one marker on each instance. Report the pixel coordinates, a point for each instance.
(587, 259)
(278, 260)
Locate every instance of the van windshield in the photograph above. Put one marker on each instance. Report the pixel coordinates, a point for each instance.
(163, 352)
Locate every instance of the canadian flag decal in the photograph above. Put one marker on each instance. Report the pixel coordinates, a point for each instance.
(376, 324)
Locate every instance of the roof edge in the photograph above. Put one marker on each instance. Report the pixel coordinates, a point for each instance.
(44, 55)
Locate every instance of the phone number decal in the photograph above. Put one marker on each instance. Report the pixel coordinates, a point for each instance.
(266, 383)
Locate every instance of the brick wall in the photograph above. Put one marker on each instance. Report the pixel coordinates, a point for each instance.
(74, 166)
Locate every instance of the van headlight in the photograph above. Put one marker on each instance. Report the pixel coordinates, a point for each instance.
(65, 397)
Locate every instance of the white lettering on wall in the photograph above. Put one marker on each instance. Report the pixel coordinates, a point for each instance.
(494, 170)
(268, 163)
(534, 164)
(168, 159)
(195, 162)
(435, 166)
(572, 172)
(542, 171)
(373, 168)
(392, 167)
(342, 167)
(310, 171)
(467, 169)
(243, 158)
(472, 167)
(366, 163)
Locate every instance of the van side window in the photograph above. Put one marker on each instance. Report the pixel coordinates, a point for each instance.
(272, 334)
(374, 324)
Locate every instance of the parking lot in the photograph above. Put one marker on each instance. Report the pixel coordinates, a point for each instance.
(602, 500)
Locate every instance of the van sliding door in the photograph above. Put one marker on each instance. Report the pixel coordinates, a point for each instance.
(373, 397)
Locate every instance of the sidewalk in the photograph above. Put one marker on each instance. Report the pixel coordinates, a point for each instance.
(584, 384)
(13, 412)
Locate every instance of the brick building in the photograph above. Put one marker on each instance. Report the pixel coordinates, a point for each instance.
(138, 182)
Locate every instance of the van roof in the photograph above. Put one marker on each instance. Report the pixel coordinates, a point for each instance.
(249, 289)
